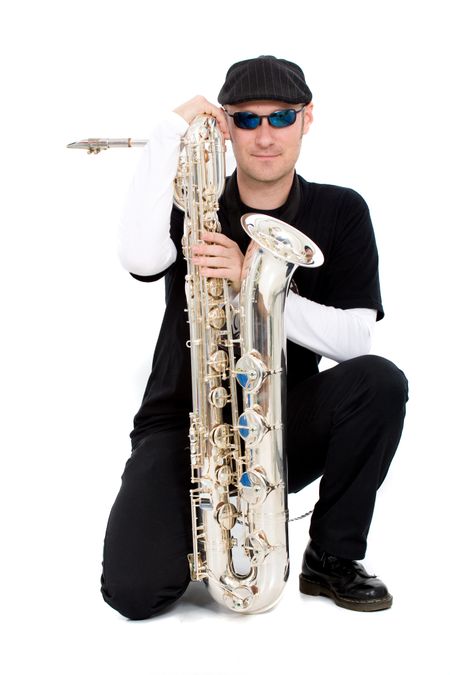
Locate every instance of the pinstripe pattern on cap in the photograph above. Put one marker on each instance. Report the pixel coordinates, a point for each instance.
(265, 78)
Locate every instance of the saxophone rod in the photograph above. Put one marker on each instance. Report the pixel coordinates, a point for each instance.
(95, 145)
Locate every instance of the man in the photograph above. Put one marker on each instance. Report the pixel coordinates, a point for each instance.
(344, 423)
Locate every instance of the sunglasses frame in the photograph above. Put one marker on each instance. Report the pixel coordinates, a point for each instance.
(261, 117)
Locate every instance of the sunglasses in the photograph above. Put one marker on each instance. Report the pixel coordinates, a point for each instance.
(278, 119)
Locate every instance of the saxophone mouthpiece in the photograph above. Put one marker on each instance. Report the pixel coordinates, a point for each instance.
(91, 145)
(95, 145)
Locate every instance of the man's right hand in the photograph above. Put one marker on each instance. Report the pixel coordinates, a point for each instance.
(199, 105)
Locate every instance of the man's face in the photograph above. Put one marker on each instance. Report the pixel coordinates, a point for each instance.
(268, 154)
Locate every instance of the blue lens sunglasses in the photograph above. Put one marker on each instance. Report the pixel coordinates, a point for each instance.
(278, 119)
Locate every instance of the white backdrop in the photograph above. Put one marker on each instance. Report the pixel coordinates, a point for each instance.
(78, 332)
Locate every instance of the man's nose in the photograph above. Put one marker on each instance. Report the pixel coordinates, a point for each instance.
(264, 133)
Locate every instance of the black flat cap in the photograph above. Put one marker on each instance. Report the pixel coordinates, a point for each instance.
(265, 78)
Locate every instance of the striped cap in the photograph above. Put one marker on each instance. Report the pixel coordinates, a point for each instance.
(265, 78)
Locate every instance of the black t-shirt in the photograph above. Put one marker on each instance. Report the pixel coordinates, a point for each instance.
(337, 219)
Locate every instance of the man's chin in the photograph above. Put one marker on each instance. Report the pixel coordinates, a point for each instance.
(268, 175)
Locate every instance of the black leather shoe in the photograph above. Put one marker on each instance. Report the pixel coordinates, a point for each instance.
(344, 581)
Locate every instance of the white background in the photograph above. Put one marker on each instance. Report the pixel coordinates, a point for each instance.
(78, 332)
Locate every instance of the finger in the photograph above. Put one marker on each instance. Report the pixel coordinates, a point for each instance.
(219, 238)
(214, 262)
(211, 249)
(223, 273)
(220, 272)
(200, 105)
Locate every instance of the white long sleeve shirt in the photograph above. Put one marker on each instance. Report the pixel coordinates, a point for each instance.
(145, 248)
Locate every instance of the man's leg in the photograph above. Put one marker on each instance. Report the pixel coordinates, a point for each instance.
(345, 424)
(149, 535)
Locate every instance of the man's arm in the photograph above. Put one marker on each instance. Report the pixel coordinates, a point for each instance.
(338, 334)
(145, 247)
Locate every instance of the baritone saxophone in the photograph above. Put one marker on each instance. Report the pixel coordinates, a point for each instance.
(238, 460)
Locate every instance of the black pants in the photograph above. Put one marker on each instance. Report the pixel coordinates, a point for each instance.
(344, 424)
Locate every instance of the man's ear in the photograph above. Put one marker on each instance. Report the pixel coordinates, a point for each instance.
(228, 124)
(308, 117)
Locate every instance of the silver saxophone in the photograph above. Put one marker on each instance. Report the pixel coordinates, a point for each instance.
(238, 460)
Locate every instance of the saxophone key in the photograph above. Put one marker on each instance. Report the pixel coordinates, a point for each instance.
(252, 427)
(218, 397)
(220, 436)
(257, 548)
(226, 515)
(254, 487)
(224, 475)
(214, 287)
(251, 372)
(216, 317)
(219, 361)
(239, 599)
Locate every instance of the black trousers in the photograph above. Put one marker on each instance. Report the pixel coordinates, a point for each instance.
(343, 424)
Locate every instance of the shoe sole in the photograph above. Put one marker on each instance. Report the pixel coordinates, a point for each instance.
(309, 587)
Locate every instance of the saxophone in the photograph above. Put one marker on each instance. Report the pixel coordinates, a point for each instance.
(238, 463)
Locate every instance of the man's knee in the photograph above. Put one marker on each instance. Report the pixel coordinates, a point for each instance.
(139, 602)
(386, 381)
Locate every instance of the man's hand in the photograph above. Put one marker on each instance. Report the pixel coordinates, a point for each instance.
(220, 257)
(199, 105)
